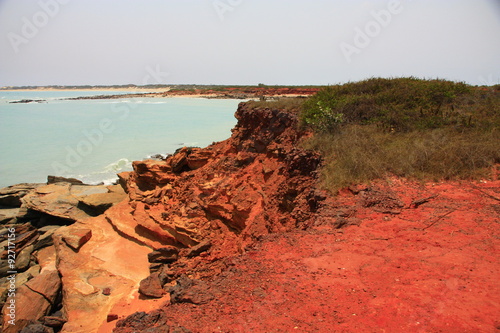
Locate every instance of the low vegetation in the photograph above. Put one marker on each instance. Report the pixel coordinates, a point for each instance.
(413, 128)
(359, 154)
(291, 104)
(420, 129)
(401, 105)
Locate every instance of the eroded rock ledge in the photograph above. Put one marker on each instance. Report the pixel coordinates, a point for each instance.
(182, 216)
(254, 183)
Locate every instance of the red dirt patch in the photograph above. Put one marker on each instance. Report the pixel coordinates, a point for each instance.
(432, 267)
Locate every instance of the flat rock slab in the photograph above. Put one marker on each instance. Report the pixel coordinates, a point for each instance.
(56, 200)
(72, 202)
(7, 214)
(105, 271)
(11, 196)
(98, 203)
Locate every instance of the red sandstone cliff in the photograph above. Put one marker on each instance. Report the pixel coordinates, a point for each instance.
(236, 237)
(194, 209)
(231, 192)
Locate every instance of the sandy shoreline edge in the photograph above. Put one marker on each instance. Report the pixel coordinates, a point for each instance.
(141, 90)
(225, 93)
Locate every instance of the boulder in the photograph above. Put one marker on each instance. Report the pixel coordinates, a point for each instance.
(75, 238)
(123, 178)
(152, 286)
(140, 321)
(112, 317)
(179, 160)
(199, 249)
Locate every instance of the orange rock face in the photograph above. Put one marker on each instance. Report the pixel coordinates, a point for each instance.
(236, 237)
(231, 192)
(100, 273)
(209, 203)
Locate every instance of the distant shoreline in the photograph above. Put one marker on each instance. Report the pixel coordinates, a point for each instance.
(152, 90)
(222, 92)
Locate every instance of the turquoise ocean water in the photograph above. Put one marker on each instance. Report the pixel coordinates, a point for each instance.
(92, 140)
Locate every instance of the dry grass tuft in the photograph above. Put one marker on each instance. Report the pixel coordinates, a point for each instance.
(428, 130)
(359, 154)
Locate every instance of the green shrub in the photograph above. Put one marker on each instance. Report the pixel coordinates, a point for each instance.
(401, 104)
(421, 129)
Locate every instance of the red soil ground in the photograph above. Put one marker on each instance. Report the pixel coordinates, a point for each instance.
(410, 258)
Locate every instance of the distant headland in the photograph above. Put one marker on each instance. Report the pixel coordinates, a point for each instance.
(260, 91)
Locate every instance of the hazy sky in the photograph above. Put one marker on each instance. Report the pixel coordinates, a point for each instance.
(296, 42)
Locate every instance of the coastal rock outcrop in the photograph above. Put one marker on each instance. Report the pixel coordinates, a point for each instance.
(28, 272)
(432, 259)
(96, 272)
(11, 196)
(72, 202)
(29, 101)
(190, 210)
(33, 300)
(239, 236)
(233, 191)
